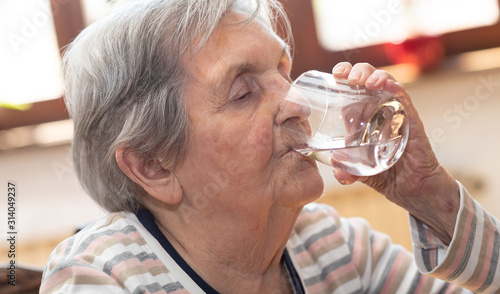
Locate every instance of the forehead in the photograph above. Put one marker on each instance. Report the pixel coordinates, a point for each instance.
(235, 43)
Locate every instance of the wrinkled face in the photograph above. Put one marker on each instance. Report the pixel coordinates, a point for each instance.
(236, 159)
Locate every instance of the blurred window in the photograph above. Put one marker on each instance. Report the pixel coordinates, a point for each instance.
(33, 35)
(343, 25)
(385, 32)
(29, 55)
(30, 61)
(96, 9)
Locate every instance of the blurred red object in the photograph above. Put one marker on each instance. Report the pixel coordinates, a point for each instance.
(425, 52)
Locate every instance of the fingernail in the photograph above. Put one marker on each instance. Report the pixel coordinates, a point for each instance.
(339, 70)
(354, 75)
(372, 80)
(372, 83)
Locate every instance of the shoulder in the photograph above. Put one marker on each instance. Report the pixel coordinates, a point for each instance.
(105, 253)
(321, 245)
(320, 223)
(95, 238)
(316, 223)
(98, 236)
(315, 215)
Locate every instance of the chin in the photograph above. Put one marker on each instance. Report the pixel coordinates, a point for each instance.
(313, 190)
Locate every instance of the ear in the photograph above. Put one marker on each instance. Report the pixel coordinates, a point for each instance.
(157, 181)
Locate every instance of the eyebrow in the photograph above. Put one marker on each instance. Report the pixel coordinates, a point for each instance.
(240, 68)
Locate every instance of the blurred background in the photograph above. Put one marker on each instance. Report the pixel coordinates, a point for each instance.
(446, 52)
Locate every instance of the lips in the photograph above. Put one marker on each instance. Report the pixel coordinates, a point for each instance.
(294, 149)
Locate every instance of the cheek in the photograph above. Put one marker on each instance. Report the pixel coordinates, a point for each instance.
(234, 136)
(261, 137)
(249, 151)
(244, 145)
(259, 144)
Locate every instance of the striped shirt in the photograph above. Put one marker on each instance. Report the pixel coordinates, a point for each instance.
(327, 253)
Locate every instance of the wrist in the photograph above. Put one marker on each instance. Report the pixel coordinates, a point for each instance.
(438, 207)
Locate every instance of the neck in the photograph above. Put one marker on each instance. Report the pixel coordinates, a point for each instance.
(233, 252)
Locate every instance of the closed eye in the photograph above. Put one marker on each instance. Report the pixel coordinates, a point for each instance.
(248, 88)
(243, 97)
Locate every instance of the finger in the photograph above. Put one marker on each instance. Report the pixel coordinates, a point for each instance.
(402, 95)
(342, 70)
(378, 79)
(343, 177)
(360, 73)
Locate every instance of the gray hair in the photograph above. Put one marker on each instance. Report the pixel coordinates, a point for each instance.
(124, 83)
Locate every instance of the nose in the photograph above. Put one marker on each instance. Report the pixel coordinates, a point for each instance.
(294, 108)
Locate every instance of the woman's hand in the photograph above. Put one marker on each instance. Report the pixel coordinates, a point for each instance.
(417, 182)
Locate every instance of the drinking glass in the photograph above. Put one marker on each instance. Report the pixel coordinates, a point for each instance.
(361, 131)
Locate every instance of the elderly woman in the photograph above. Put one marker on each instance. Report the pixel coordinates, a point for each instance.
(175, 107)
